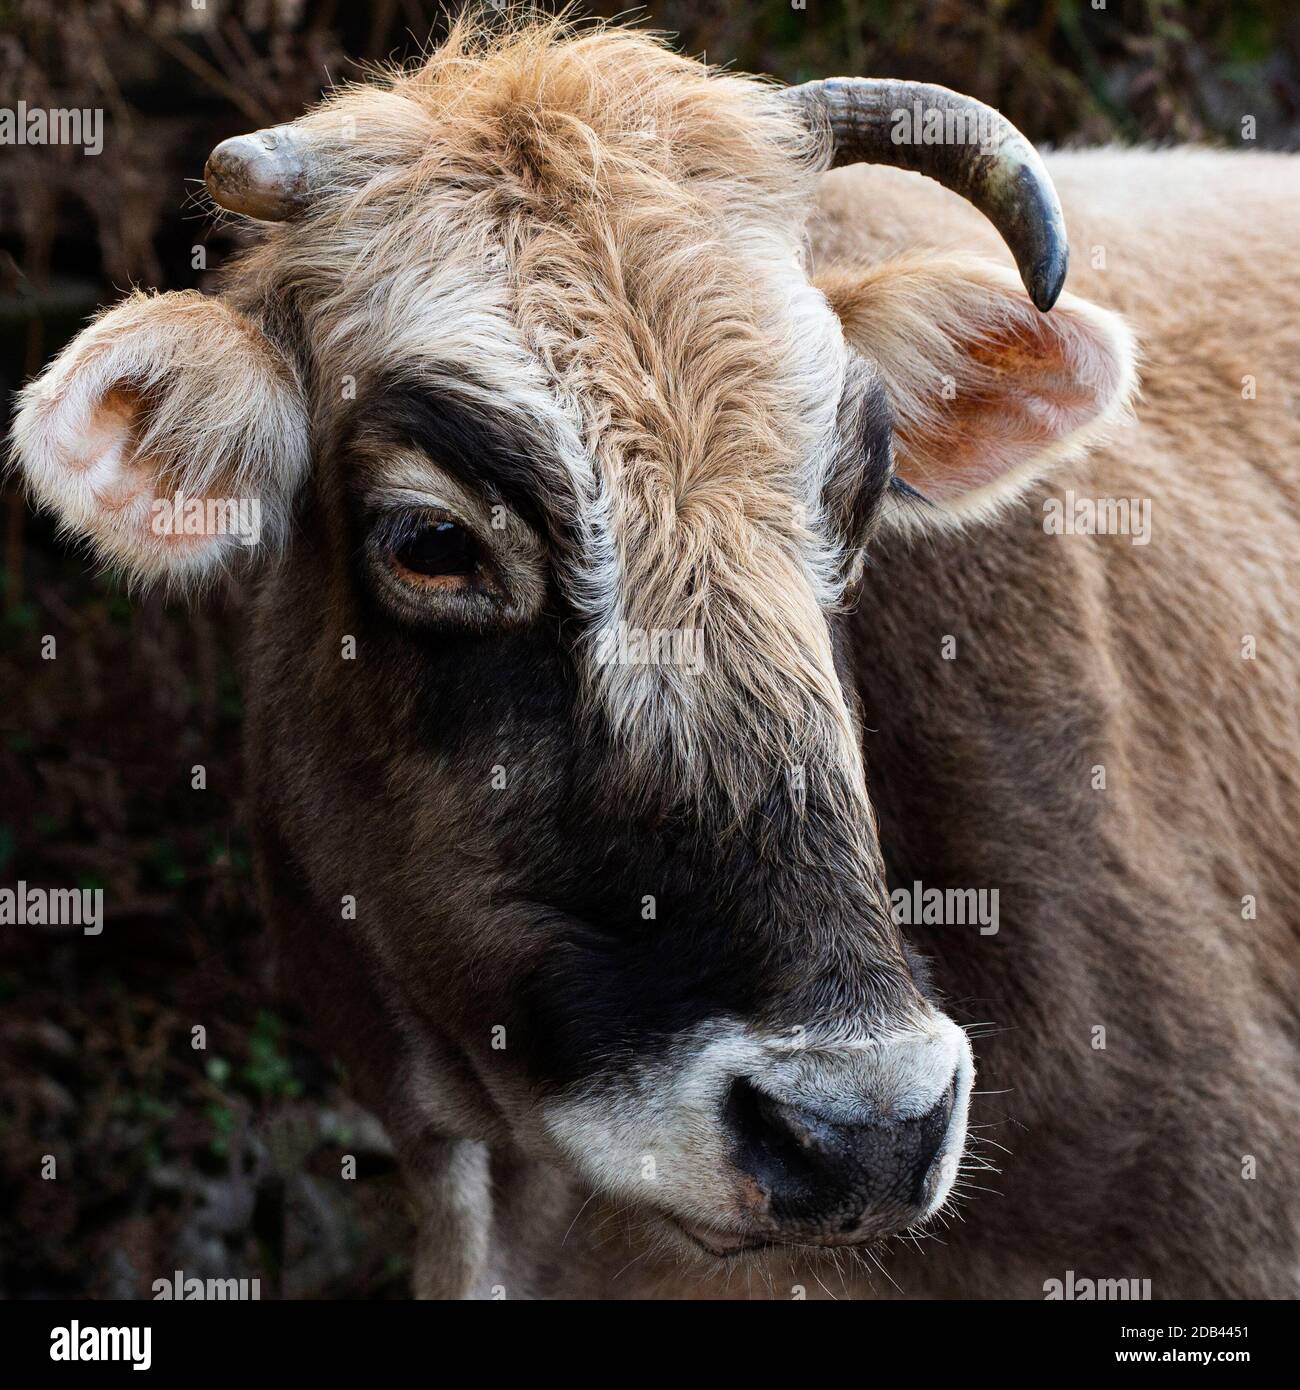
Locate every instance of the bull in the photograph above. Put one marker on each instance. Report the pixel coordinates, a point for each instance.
(655, 581)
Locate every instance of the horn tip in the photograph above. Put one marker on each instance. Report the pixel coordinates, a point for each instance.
(1046, 280)
(259, 175)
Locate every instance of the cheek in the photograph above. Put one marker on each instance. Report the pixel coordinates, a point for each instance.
(922, 971)
(845, 671)
(504, 697)
(600, 1001)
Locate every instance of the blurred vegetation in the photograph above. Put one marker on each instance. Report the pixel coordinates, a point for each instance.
(224, 1161)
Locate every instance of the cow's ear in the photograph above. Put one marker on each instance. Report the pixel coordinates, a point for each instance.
(987, 391)
(170, 433)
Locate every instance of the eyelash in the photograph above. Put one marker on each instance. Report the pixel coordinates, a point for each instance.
(463, 570)
(396, 528)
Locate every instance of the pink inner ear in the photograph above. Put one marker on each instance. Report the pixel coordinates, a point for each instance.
(103, 453)
(123, 484)
(1028, 385)
(110, 423)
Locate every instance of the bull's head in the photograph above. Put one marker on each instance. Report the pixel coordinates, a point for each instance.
(542, 408)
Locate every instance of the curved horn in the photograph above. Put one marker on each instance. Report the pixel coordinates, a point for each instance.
(989, 162)
(265, 175)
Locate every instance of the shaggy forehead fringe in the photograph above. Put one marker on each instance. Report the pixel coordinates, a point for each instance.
(639, 216)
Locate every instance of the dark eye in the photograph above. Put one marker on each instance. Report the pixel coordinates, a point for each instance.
(437, 552)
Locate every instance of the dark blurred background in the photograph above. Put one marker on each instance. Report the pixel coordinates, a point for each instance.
(225, 1162)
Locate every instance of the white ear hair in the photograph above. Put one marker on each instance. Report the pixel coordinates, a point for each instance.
(165, 397)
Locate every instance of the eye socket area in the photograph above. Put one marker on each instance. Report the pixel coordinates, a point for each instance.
(451, 563)
(432, 551)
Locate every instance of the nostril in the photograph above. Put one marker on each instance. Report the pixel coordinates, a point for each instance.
(776, 1128)
(813, 1167)
(775, 1145)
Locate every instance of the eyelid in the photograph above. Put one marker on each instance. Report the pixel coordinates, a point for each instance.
(401, 523)
(515, 555)
(382, 501)
(484, 601)
(420, 513)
